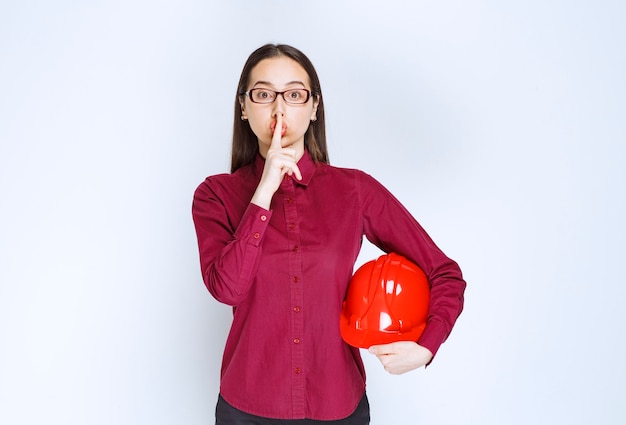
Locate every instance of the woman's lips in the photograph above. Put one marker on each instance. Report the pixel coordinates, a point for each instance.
(273, 127)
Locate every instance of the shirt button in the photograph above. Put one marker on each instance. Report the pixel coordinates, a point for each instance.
(289, 200)
(297, 371)
(296, 279)
(263, 217)
(257, 235)
(296, 309)
(292, 226)
(295, 248)
(296, 340)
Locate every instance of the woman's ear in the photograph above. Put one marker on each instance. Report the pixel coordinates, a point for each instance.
(244, 116)
(316, 103)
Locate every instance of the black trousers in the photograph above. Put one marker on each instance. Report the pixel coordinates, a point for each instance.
(225, 414)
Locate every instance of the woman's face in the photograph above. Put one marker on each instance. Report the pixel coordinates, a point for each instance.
(279, 74)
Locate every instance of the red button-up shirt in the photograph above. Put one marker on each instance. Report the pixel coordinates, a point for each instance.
(285, 271)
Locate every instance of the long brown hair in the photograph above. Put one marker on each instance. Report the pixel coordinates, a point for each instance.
(245, 143)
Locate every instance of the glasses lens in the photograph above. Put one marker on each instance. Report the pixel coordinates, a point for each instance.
(262, 96)
(296, 96)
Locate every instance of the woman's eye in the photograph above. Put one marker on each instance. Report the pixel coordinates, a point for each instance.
(294, 95)
(263, 96)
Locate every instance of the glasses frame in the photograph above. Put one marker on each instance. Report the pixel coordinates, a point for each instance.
(276, 93)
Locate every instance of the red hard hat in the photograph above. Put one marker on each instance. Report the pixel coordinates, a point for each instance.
(387, 301)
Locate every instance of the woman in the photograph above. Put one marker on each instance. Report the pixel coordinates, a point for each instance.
(278, 240)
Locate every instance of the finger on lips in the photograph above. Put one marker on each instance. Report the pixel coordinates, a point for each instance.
(278, 128)
(288, 165)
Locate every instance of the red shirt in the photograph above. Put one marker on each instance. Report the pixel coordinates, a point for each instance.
(286, 271)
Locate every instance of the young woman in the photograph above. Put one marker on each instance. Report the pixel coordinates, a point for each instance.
(278, 240)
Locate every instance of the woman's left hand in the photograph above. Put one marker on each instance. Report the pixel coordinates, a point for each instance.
(401, 357)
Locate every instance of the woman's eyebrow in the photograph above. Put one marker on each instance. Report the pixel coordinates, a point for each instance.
(267, 83)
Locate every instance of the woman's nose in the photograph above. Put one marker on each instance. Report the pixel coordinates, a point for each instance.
(278, 107)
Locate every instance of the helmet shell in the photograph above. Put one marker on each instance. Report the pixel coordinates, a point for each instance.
(387, 301)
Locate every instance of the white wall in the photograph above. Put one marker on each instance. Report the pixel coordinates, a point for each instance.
(500, 125)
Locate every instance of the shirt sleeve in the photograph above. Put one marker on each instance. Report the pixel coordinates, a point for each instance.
(390, 226)
(229, 252)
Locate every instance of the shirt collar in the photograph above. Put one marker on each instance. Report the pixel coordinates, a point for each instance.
(306, 165)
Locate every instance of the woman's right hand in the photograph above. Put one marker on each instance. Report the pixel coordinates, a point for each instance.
(278, 162)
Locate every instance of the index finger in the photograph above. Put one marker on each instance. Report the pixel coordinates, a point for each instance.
(381, 349)
(278, 129)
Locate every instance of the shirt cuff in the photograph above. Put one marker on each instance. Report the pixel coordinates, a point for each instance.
(253, 224)
(434, 335)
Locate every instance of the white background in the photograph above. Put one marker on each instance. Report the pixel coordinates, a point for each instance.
(500, 125)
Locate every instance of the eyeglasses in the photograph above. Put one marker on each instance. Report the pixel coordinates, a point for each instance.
(266, 96)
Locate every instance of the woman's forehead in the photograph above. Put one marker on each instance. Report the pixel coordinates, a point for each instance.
(278, 71)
